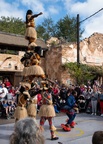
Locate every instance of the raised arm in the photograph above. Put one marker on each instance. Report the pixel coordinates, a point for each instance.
(36, 15)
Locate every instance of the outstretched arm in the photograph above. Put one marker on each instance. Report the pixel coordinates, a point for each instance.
(36, 15)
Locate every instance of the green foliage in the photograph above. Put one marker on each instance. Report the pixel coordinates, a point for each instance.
(12, 25)
(82, 73)
(65, 28)
(46, 29)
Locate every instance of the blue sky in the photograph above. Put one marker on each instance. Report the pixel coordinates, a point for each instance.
(57, 9)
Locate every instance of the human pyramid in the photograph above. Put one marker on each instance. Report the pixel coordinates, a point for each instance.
(32, 69)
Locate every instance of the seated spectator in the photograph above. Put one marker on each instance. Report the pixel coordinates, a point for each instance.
(11, 106)
(27, 131)
(12, 91)
(97, 137)
(5, 106)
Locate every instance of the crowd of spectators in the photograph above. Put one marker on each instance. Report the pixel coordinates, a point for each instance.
(89, 97)
(7, 98)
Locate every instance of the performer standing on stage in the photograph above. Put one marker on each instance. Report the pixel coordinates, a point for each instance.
(47, 111)
(70, 109)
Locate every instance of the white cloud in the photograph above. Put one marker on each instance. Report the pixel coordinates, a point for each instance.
(86, 9)
(93, 25)
(10, 9)
(56, 10)
(53, 10)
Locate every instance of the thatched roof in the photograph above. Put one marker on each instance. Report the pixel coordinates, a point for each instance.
(18, 40)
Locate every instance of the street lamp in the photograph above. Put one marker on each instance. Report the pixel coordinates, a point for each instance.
(78, 26)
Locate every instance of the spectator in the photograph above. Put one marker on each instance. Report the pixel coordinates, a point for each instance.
(11, 106)
(27, 131)
(77, 89)
(39, 101)
(63, 92)
(5, 106)
(55, 93)
(3, 92)
(7, 83)
(12, 91)
(1, 84)
(97, 137)
(87, 95)
(94, 99)
(100, 97)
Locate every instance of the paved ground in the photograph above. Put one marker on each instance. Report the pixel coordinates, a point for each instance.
(81, 134)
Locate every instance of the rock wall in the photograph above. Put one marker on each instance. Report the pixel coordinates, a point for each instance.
(53, 63)
(91, 53)
(91, 50)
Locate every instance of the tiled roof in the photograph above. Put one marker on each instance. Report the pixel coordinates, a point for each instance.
(18, 40)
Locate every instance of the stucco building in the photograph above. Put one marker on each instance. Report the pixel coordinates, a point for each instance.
(12, 48)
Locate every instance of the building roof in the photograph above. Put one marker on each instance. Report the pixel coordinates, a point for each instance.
(18, 40)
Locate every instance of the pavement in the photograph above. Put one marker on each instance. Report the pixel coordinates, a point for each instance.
(86, 125)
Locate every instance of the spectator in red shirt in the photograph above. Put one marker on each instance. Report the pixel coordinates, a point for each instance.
(12, 91)
(55, 93)
(39, 100)
(7, 83)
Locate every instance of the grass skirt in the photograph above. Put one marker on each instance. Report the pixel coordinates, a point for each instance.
(30, 33)
(47, 111)
(20, 113)
(25, 71)
(31, 109)
(34, 70)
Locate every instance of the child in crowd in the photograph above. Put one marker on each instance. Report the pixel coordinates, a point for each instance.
(5, 106)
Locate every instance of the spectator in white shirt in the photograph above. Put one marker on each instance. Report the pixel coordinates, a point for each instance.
(3, 92)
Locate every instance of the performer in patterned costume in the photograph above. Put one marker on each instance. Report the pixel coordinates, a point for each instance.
(47, 111)
(21, 111)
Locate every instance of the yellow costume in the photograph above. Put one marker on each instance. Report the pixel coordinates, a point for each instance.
(30, 29)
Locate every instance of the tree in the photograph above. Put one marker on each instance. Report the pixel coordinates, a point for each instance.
(67, 29)
(83, 72)
(12, 25)
(46, 29)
